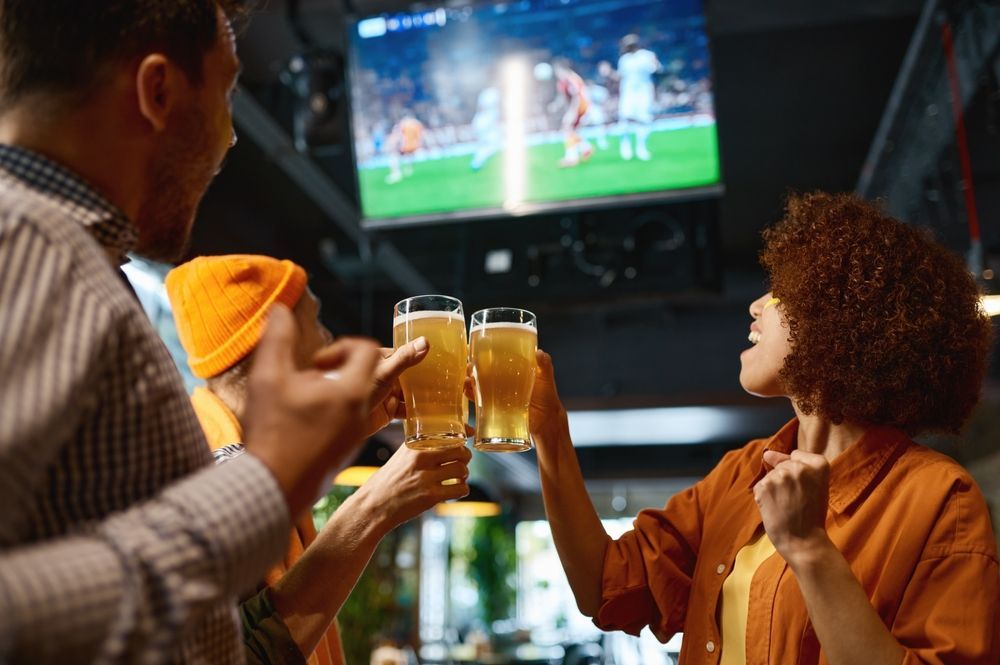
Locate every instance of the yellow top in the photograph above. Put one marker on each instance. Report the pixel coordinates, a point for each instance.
(736, 598)
(219, 423)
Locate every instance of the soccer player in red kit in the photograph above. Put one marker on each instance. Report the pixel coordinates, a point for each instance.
(573, 90)
(404, 142)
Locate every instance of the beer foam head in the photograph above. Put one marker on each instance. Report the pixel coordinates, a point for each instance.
(527, 327)
(415, 316)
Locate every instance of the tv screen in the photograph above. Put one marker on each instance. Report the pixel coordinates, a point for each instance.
(459, 111)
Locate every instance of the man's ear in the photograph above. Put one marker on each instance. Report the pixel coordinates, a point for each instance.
(156, 85)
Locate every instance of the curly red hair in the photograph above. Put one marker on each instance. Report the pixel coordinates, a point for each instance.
(884, 322)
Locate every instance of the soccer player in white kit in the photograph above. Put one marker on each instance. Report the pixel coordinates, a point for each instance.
(636, 67)
(486, 124)
(595, 116)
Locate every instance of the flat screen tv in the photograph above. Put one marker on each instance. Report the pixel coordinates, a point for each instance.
(474, 110)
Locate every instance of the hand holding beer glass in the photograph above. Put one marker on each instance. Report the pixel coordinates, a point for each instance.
(433, 390)
(502, 345)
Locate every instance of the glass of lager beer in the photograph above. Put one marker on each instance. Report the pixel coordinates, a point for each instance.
(433, 389)
(502, 353)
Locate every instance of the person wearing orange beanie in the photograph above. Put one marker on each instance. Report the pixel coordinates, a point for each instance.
(219, 305)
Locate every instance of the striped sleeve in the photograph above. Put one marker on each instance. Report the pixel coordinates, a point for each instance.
(228, 453)
(127, 588)
(132, 586)
(47, 367)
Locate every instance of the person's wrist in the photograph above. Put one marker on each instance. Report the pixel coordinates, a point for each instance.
(806, 554)
(554, 427)
(373, 516)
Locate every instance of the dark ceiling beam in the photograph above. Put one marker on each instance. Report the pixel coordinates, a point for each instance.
(257, 124)
(918, 122)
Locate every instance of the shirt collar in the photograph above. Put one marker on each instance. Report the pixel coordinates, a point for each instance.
(103, 220)
(853, 472)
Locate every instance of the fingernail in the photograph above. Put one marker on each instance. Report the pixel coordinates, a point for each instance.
(420, 344)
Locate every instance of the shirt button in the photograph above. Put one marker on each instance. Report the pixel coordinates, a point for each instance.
(710, 646)
(720, 569)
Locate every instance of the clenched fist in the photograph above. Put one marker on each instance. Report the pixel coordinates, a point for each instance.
(793, 499)
(303, 422)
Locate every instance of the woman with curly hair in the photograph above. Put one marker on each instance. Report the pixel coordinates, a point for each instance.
(838, 540)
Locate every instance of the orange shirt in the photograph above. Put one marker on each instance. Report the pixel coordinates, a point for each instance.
(222, 428)
(910, 522)
(411, 130)
(573, 86)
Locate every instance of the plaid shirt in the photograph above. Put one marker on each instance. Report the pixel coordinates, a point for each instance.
(117, 544)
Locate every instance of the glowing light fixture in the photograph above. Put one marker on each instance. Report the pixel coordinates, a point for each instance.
(477, 504)
(989, 291)
(991, 304)
(372, 457)
(355, 476)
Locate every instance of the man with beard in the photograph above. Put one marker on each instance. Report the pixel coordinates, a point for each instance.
(120, 542)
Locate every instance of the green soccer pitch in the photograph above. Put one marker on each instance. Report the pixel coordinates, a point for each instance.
(681, 158)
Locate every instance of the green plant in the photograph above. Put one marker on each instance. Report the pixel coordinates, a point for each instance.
(381, 602)
(493, 568)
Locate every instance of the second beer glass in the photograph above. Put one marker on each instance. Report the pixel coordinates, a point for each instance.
(502, 352)
(433, 389)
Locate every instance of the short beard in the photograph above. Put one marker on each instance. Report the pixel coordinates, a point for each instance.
(166, 239)
(179, 180)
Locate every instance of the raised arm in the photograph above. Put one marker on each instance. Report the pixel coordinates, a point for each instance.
(311, 593)
(128, 585)
(130, 588)
(580, 538)
(131, 585)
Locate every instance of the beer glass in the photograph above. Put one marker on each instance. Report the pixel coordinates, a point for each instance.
(502, 344)
(433, 389)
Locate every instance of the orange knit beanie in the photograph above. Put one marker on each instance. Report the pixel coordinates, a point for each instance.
(220, 305)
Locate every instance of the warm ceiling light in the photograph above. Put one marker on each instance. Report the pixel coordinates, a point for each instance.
(355, 476)
(477, 504)
(989, 290)
(468, 509)
(991, 304)
(372, 457)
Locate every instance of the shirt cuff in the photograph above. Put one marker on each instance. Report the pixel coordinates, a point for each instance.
(266, 638)
(241, 504)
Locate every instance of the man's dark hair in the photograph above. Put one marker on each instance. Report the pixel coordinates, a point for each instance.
(62, 47)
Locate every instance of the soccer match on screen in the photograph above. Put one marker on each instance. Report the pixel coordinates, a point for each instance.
(496, 106)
